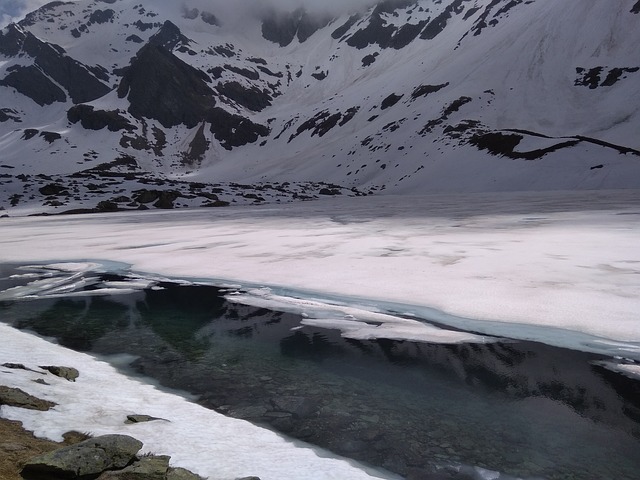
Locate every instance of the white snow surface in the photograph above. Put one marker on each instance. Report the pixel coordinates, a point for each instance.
(197, 438)
(562, 268)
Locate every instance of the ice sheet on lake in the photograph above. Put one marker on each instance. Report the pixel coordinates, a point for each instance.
(559, 262)
(354, 322)
(202, 440)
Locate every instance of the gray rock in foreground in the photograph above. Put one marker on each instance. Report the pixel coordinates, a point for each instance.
(90, 457)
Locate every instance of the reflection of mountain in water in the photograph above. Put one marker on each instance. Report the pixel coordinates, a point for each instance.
(520, 407)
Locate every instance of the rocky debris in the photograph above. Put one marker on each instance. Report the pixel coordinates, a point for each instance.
(19, 366)
(15, 397)
(90, 457)
(68, 373)
(163, 199)
(141, 419)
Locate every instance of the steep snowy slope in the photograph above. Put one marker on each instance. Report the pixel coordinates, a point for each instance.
(245, 104)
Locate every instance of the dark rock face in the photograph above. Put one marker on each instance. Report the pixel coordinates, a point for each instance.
(11, 41)
(234, 130)
(32, 83)
(7, 114)
(438, 24)
(102, 16)
(90, 457)
(162, 87)
(424, 90)
(492, 14)
(323, 122)
(636, 7)
(18, 398)
(33, 17)
(51, 63)
(390, 101)
(252, 98)
(344, 28)
(92, 119)
(592, 77)
(53, 189)
(81, 85)
(379, 32)
(169, 37)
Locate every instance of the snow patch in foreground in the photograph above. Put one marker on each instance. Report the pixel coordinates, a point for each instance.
(199, 439)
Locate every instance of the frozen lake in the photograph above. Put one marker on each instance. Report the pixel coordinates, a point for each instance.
(497, 326)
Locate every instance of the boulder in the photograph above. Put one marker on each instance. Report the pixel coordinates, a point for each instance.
(18, 398)
(69, 373)
(90, 457)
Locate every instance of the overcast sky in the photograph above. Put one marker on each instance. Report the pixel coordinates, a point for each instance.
(14, 10)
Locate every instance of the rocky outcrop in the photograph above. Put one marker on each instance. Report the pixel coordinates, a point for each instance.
(90, 457)
(251, 98)
(108, 457)
(169, 37)
(51, 70)
(162, 87)
(18, 398)
(93, 119)
(32, 83)
(234, 130)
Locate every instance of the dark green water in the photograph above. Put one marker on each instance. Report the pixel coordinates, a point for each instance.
(521, 408)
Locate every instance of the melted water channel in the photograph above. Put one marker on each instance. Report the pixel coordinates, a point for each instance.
(521, 408)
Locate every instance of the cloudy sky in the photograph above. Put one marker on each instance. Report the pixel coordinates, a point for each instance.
(11, 10)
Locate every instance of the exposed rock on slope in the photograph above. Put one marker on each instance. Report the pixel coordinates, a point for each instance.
(160, 86)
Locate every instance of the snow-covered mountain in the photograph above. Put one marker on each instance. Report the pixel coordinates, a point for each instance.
(108, 104)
